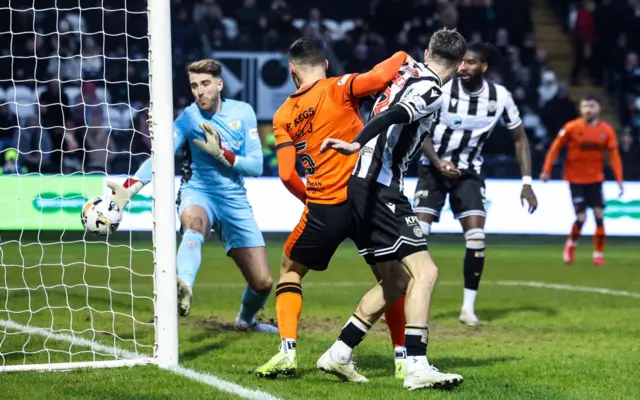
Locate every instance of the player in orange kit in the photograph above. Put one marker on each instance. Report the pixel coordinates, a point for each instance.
(587, 139)
(321, 108)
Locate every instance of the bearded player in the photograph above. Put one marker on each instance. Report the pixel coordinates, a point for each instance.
(321, 108)
(221, 143)
(452, 163)
(587, 139)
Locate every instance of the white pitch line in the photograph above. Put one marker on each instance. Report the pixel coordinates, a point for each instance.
(206, 379)
(570, 288)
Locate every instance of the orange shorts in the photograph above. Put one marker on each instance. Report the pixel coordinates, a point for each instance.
(318, 234)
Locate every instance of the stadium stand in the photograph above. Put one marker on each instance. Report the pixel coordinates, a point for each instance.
(358, 34)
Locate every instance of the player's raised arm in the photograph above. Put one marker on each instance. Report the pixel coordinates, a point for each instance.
(554, 151)
(421, 99)
(286, 155)
(615, 161)
(379, 77)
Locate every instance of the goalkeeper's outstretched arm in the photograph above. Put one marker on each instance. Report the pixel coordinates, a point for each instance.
(122, 193)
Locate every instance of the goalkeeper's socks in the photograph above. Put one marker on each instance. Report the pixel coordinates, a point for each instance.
(351, 335)
(252, 302)
(394, 316)
(288, 306)
(190, 256)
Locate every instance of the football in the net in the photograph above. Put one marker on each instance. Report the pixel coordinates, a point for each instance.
(101, 216)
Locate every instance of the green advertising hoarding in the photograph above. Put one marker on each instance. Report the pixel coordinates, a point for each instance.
(32, 202)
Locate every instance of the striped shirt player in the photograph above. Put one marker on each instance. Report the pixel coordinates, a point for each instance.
(466, 121)
(386, 229)
(452, 161)
(386, 225)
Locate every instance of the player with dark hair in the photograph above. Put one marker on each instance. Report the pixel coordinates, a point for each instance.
(587, 139)
(452, 161)
(321, 108)
(387, 230)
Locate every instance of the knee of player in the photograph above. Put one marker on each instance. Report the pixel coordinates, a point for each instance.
(475, 239)
(581, 217)
(263, 284)
(194, 223)
(428, 272)
(598, 213)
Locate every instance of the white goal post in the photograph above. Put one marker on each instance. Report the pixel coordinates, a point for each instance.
(68, 300)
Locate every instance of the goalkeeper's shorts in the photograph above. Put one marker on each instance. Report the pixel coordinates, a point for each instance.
(230, 217)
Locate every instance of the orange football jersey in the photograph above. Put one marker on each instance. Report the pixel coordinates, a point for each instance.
(325, 109)
(586, 145)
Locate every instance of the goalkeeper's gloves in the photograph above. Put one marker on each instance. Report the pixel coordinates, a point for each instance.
(213, 145)
(121, 194)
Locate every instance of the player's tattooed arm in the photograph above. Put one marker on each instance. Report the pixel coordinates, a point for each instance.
(523, 154)
(446, 168)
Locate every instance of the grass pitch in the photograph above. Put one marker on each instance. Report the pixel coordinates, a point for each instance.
(536, 342)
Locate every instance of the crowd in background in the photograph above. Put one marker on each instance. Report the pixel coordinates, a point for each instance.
(95, 120)
(605, 37)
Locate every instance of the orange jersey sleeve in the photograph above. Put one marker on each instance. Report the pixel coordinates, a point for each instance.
(286, 155)
(558, 143)
(379, 77)
(614, 155)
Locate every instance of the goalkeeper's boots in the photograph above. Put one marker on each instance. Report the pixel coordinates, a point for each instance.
(568, 253)
(280, 364)
(421, 375)
(343, 370)
(185, 297)
(401, 362)
(255, 326)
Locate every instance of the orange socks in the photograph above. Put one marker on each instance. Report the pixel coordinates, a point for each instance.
(288, 306)
(394, 317)
(599, 240)
(575, 232)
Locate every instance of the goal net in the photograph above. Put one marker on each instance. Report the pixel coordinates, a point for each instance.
(78, 80)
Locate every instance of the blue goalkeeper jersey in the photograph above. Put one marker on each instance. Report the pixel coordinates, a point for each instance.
(237, 125)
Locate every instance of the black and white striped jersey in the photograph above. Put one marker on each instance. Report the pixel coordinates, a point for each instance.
(384, 158)
(467, 119)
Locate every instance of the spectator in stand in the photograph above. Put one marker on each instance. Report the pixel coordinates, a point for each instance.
(8, 126)
(558, 110)
(548, 87)
(53, 103)
(583, 40)
(630, 153)
(212, 23)
(629, 87)
(34, 147)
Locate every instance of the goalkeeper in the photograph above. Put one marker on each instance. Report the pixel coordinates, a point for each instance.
(222, 145)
